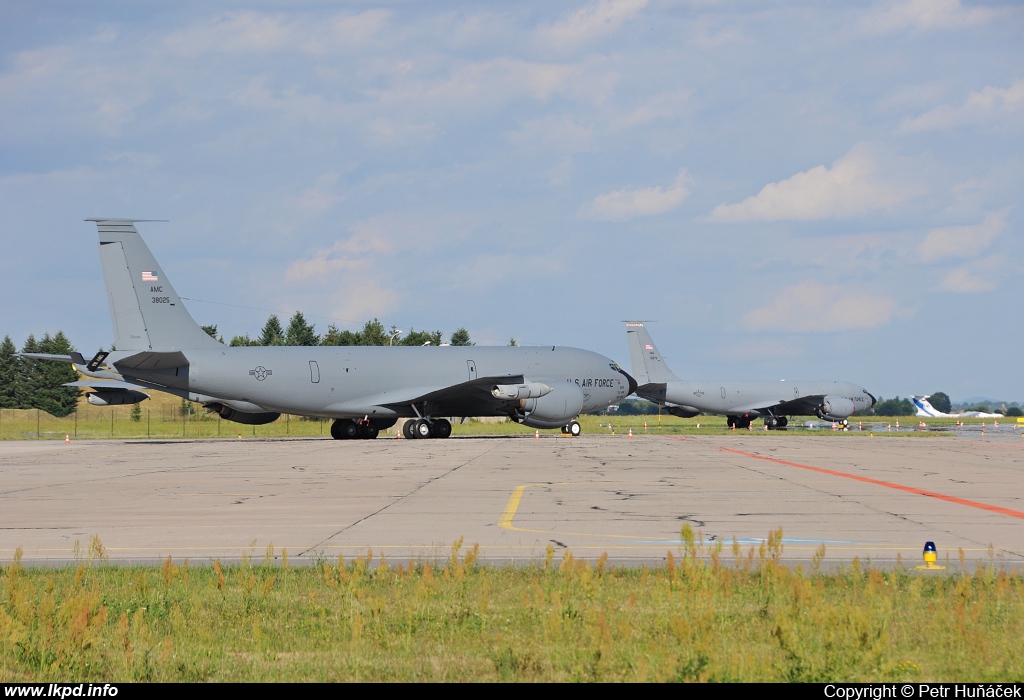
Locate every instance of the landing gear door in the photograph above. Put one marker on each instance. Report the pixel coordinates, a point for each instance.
(472, 369)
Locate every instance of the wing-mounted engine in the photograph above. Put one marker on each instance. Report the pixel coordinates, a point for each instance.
(835, 408)
(552, 409)
(121, 397)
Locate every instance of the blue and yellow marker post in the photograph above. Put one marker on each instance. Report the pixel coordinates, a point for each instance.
(930, 557)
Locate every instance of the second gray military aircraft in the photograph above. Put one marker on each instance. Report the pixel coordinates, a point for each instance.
(739, 401)
(364, 389)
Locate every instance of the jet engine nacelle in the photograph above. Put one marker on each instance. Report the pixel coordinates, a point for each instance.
(836, 408)
(231, 414)
(515, 392)
(115, 398)
(552, 410)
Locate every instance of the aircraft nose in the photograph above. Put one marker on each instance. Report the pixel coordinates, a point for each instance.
(872, 397)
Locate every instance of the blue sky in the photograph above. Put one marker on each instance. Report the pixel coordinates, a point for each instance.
(790, 189)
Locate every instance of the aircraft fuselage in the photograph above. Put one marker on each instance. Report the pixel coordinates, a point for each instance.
(357, 381)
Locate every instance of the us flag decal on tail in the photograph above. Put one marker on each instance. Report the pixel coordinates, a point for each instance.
(148, 276)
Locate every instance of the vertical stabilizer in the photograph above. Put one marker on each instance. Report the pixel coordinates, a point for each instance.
(648, 365)
(146, 311)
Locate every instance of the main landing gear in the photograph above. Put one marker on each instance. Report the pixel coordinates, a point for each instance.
(347, 429)
(421, 428)
(738, 422)
(573, 429)
(776, 422)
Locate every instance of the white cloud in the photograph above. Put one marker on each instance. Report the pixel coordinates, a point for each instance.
(249, 32)
(595, 19)
(666, 105)
(322, 196)
(621, 205)
(923, 16)
(990, 104)
(851, 187)
(555, 133)
(812, 307)
(962, 241)
(973, 278)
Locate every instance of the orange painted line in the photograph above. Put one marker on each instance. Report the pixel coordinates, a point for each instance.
(676, 437)
(888, 485)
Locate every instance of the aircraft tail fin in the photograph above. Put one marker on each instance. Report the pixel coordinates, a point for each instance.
(146, 311)
(924, 407)
(647, 363)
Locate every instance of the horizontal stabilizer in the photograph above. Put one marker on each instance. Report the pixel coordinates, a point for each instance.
(106, 386)
(74, 358)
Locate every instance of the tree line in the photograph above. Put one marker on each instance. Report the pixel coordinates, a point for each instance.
(26, 383)
(302, 333)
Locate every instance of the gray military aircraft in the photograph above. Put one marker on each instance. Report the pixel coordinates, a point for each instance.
(739, 401)
(364, 389)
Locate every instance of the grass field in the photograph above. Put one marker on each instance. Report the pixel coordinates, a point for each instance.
(708, 615)
(161, 417)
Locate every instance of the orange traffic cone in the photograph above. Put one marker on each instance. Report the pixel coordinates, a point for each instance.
(67, 438)
(630, 432)
(536, 436)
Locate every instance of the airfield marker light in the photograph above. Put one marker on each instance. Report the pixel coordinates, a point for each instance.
(930, 556)
(239, 436)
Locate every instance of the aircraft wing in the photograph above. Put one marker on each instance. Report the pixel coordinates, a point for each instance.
(475, 389)
(804, 406)
(475, 393)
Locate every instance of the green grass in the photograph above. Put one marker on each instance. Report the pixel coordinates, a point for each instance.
(708, 615)
(161, 418)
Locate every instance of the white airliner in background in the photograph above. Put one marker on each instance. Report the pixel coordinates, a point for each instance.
(926, 410)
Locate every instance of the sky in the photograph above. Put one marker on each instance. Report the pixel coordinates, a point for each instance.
(799, 190)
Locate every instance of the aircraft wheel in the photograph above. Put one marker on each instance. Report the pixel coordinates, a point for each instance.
(743, 423)
(771, 422)
(574, 429)
(350, 430)
(409, 429)
(783, 421)
(336, 431)
(421, 429)
(565, 430)
(730, 421)
(368, 431)
(440, 428)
